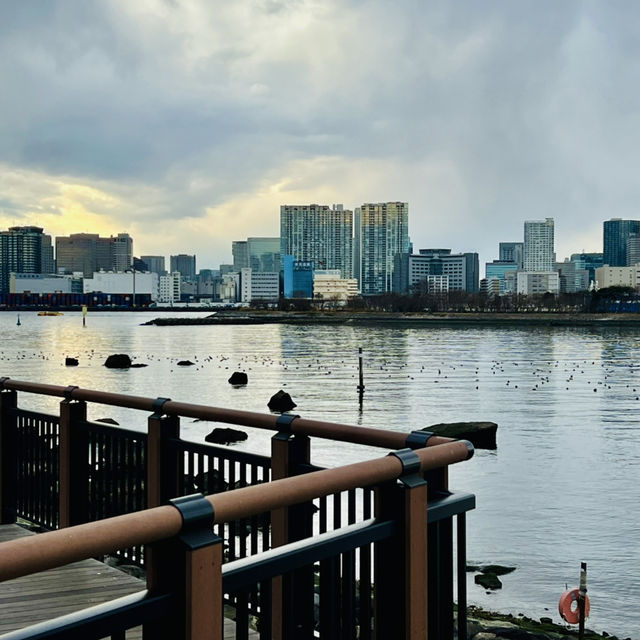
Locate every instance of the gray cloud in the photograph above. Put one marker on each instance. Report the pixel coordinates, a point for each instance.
(485, 114)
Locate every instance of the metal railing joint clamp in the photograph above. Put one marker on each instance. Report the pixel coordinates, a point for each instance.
(158, 404)
(3, 380)
(411, 467)
(418, 439)
(69, 391)
(283, 423)
(197, 521)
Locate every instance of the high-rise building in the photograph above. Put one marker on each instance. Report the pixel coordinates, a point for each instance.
(384, 233)
(121, 252)
(264, 254)
(24, 250)
(461, 270)
(512, 252)
(240, 253)
(319, 234)
(90, 253)
(616, 232)
(185, 264)
(155, 264)
(538, 245)
(588, 261)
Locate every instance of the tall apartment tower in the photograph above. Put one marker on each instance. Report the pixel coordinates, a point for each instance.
(616, 233)
(319, 234)
(383, 233)
(24, 250)
(185, 264)
(538, 245)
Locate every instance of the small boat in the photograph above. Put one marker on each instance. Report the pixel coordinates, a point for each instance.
(50, 313)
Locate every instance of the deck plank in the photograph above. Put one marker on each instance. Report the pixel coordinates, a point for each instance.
(56, 592)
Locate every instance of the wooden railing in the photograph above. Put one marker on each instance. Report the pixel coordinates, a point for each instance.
(335, 553)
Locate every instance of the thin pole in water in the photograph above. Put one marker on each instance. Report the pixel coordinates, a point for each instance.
(582, 599)
(361, 376)
(18, 323)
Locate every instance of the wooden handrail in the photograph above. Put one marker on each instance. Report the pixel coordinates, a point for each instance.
(56, 548)
(302, 426)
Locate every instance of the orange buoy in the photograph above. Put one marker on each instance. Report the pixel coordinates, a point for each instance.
(568, 606)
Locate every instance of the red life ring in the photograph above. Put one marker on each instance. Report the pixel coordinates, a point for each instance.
(568, 606)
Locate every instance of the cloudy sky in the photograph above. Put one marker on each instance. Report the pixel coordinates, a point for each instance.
(187, 123)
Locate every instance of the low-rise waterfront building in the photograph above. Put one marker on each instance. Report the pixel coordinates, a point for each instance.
(329, 285)
(533, 282)
(609, 276)
(259, 285)
(123, 283)
(498, 270)
(45, 283)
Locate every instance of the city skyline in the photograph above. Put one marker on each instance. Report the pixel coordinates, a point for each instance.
(187, 125)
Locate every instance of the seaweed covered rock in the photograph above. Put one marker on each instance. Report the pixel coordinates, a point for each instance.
(482, 435)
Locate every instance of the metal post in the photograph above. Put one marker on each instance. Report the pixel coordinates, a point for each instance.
(74, 458)
(291, 596)
(361, 374)
(8, 459)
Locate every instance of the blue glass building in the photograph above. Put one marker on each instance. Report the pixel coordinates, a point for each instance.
(298, 277)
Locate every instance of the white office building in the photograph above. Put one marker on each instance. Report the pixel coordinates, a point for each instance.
(329, 285)
(123, 283)
(169, 288)
(538, 245)
(257, 285)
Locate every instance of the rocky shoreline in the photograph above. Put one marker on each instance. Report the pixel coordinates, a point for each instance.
(406, 319)
(488, 625)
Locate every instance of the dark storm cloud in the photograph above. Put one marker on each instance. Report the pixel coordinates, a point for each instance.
(529, 108)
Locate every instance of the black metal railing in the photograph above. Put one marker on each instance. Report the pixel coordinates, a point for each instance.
(35, 443)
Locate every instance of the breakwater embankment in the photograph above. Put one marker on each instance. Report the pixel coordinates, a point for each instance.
(408, 319)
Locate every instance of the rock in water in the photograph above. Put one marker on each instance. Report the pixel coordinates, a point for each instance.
(225, 436)
(481, 435)
(281, 402)
(118, 361)
(238, 377)
(185, 363)
(488, 580)
(71, 362)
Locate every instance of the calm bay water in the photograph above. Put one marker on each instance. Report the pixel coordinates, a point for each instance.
(561, 488)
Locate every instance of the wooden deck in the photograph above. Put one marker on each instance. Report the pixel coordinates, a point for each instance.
(43, 596)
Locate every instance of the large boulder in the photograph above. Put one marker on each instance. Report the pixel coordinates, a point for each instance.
(238, 378)
(225, 436)
(185, 363)
(482, 435)
(118, 361)
(281, 402)
(71, 362)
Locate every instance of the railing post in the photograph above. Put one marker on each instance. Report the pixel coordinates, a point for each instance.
(8, 458)
(162, 462)
(292, 613)
(440, 541)
(191, 567)
(400, 592)
(74, 460)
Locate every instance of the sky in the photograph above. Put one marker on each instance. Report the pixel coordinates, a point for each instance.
(187, 123)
